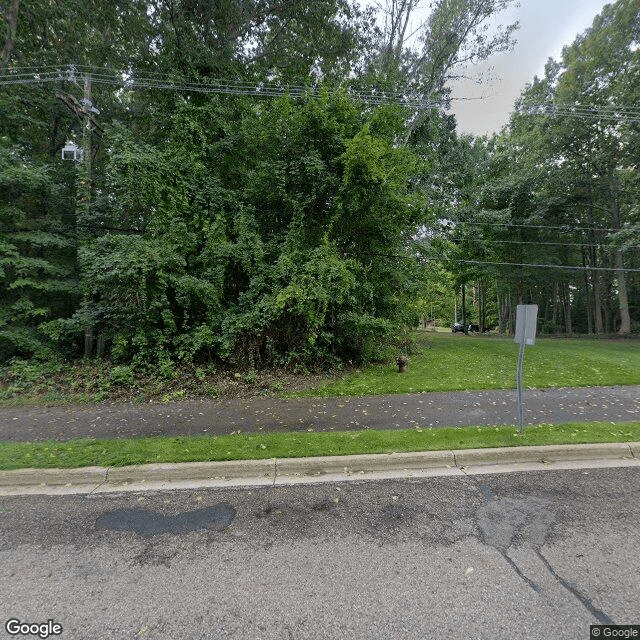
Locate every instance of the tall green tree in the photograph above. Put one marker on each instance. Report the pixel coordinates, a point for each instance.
(418, 62)
(562, 181)
(266, 235)
(38, 280)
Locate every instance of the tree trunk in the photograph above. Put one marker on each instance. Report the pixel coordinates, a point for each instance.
(503, 312)
(597, 297)
(566, 299)
(482, 305)
(512, 315)
(11, 18)
(606, 304)
(595, 275)
(464, 305)
(625, 319)
(587, 293)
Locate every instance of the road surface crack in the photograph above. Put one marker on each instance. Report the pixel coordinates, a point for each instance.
(599, 615)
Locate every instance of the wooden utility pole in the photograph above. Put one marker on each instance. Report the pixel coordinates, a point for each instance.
(85, 111)
(86, 143)
(86, 184)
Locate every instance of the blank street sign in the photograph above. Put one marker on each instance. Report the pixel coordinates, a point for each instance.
(526, 319)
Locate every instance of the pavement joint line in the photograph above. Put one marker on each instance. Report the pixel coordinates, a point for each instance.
(105, 481)
(323, 468)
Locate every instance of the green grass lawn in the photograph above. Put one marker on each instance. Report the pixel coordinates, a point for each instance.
(442, 362)
(128, 451)
(455, 362)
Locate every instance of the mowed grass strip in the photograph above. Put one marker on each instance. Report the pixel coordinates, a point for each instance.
(455, 362)
(133, 451)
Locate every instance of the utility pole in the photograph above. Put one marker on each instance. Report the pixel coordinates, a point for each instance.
(86, 184)
(86, 143)
(85, 112)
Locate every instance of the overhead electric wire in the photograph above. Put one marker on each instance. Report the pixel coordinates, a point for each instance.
(551, 108)
(128, 79)
(543, 266)
(559, 244)
(567, 228)
(73, 230)
(490, 263)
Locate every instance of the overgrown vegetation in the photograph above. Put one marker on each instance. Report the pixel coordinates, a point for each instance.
(25, 382)
(208, 227)
(437, 362)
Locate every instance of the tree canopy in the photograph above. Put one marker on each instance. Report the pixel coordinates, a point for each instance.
(271, 183)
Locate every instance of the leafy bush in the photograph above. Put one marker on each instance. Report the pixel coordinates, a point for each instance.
(122, 375)
(258, 253)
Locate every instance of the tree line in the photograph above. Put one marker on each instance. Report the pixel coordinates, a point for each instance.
(204, 222)
(560, 186)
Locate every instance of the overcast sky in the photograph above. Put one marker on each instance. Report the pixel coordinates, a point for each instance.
(545, 27)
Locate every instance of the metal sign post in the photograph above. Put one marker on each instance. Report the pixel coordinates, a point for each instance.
(526, 319)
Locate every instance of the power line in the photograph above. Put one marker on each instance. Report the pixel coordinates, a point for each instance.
(544, 266)
(559, 244)
(127, 79)
(72, 230)
(565, 227)
(554, 108)
(489, 263)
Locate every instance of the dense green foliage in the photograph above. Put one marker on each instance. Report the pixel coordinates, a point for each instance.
(560, 187)
(37, 270)
(281, 230)
(252, 247)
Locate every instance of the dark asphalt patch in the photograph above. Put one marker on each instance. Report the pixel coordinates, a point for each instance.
(149, 523)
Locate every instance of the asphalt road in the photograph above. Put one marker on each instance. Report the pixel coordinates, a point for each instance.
(537, 555)
(213, 417)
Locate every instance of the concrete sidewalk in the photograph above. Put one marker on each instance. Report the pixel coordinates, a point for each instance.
(216, 417)
(272, 472)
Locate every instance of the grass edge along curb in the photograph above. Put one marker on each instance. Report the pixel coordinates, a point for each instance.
(87, 452)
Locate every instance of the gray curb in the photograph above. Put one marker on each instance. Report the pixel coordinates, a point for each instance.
(550, 453)
(52, 477)
(364, 463)
(184, 471)
(90, 479)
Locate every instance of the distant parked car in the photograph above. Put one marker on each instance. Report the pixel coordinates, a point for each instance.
(462, 328)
